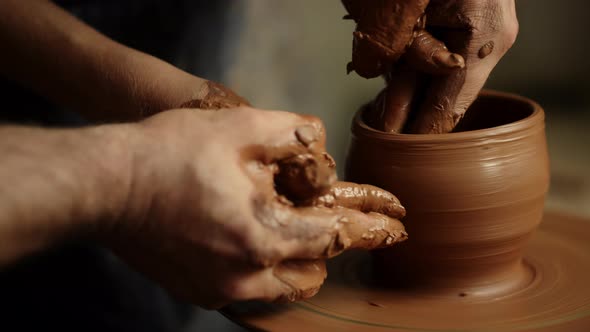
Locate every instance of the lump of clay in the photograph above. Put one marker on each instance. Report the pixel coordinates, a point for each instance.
(215, 96)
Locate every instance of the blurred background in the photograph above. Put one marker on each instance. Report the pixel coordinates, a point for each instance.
(292, 55)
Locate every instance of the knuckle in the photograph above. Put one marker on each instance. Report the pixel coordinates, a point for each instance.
(510, 33)
(316, 122)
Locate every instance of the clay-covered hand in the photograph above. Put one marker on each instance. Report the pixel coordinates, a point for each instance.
(243, 204)
(430, 81)
(481, 31)
(387, 29)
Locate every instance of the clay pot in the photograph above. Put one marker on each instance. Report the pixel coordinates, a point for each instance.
(473, 197)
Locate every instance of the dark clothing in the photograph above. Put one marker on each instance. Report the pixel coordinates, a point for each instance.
(84, 287)
(172, 30)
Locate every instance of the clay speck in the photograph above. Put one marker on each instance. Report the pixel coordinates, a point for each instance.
(215, 96)
(486, 50)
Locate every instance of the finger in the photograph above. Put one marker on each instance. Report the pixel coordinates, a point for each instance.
(319, 232)
(394, 104)
(440, 112)
(431, 56)
(287, 281)
(362, 197)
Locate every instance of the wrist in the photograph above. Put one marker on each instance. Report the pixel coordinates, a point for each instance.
(145, 85)
(60, 185)
(109, 182)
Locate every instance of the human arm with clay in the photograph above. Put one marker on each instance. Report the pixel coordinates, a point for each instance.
(193, 200)
(217, 207)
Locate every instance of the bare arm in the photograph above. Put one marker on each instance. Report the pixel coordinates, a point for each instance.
(53, 53)
(57, 184)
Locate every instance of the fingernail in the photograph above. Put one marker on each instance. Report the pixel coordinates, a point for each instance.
(306, 135)
(449, 60)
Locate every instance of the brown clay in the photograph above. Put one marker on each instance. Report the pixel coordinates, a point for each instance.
(445, 87)
(362, 197)
(557, 298)
(473, 197)
(437, 113)
(384, 30)
(393, 105)
(304, 176)
(300, 199)
(390, 30)
(215, 96)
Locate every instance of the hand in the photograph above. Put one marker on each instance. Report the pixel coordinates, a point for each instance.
(242, 205)
(430, 81)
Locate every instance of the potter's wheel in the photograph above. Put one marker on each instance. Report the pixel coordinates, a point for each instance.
(557, 299)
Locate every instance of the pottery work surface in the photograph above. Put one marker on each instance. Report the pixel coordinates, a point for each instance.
(555, 299)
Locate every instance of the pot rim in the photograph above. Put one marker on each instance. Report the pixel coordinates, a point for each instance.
(531, 121)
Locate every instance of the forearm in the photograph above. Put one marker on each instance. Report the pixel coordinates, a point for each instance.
(55, 184)
(51, 52)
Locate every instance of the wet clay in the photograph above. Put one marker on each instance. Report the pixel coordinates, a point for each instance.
(215, 96)
(365, 217)
(384, 29)
(362, 197)
(299, 200)
(474, 260)
(388, 29)
(398, 95)
(556, 299)
(474, 197)
(427, 88)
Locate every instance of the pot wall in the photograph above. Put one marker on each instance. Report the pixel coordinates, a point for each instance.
(473, 197)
